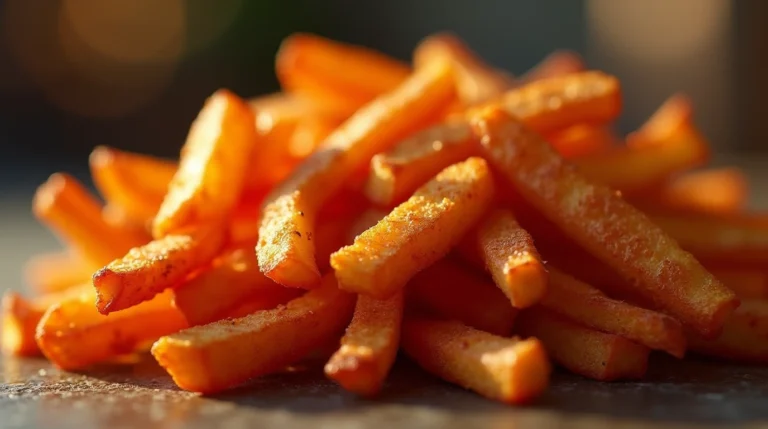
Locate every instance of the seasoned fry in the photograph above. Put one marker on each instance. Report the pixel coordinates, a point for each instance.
(476, 81)
(581, 350)
(556, 64)
(449, 290)
(327, 73)
(150, 269)
(416, 233)
(581, 141)
(285, 252)
(233, 279)
(506, 250)
(223, 354)
(744, 337)
(73, 335)
(509, 370)
(55, 271)
(66, 207)
(212, 167)
(133, 183)
(746, 284)
(588, 306)
(397, 173)
(369, 346)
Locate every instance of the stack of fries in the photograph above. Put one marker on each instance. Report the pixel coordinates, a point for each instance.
(479, 222)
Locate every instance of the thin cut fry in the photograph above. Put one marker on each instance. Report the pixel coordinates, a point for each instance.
(55, 271)
(327, 73)
(416, 233)
(223, 354)
(476, 81)
(581, 141)
(604, 224)
(150, 269)
(584, 351)
(676, 110)
(746, 284)
(744, 337)
(309, 134)
(73, 335)
(369, 346)
(506, 250)
(556, 64)
(285, 252)
(446, 289)
(591, 308)
(133, 183)
(509, 370)
(66, 207)
(397, 173)
(233, 279)
(212, 167)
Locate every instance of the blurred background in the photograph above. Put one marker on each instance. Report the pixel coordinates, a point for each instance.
(133, 73)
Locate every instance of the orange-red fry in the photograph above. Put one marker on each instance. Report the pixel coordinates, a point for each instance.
(73, 334)
(309, 134)
(506, 250)
(449, 290)
(226, 353)
(581, 350)
(581, 141)
(416, 233)
(588, 306)
(746, 284)
(369, 346)
(285, 250)
(556, 64)
(19, 321)
(66, 207)
(509, 370)
(55, 271)
(212, 167)
(605, 225)
(744, 337)
(150, 269)
(328, 73)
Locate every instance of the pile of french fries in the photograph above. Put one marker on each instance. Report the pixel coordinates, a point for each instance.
(481, 223)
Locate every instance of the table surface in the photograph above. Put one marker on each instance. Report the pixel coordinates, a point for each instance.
(675, 394)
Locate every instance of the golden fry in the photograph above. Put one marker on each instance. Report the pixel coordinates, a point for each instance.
(556, 64)
(744, 337)
(580, 141)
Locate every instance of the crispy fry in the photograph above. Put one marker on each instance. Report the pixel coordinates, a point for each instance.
(72, 334)
(584, 351)
(746, 284)
(150, 269)
(556, 64)
(67, 208)
(744, 337)
(449, 290)
(133, 183)
(588, 306)
(233, 279)
(509, 370)
(604, 224)
(55, 271)
(309, 134)
(581, 141)
(476, 81)
(369, 346)
(226, 353)
(506, 250)
(416, 233)
(397, 173)
(211, 174)
(285, 252)
(327, 73)
(719, 192)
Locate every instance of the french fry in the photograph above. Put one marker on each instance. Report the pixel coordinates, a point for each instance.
(746, 284)
(397, 173)
(744, 337)
(581, 141)
(446, 289)
(588, 306)
(327, 73)
(605, 225)
(509, 370)
(309, 134)
(369, 346)
(19, 321)
(286, 255)
(150, 269)
(66, 207)
(416, 233)
(506, 250)
(581, 350)
(556, 64)
(211, 174)
(73, 334)
(133, 183)
(476, 81)
(55, 271)
(223, 354)
(233, 279)
(676, 110)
